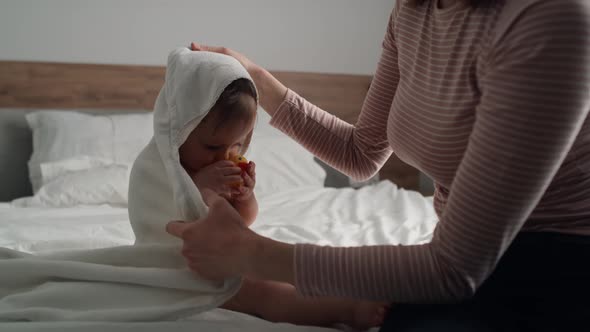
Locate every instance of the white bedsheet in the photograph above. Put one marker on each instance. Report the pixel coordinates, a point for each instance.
(379, 214)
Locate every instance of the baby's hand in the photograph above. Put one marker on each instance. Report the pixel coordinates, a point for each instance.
(219, 178)
(246, 190)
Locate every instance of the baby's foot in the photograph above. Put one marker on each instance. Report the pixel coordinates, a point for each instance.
(368, 314)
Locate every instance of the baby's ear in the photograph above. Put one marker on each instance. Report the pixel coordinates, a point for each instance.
(246, 143)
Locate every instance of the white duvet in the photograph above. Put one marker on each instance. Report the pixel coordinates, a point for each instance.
(379, 214)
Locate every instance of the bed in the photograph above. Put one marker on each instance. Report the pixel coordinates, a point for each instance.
(308, 202)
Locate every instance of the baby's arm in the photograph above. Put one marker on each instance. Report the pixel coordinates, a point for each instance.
(247, 208)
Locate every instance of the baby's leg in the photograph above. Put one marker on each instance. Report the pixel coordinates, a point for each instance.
(279, 302)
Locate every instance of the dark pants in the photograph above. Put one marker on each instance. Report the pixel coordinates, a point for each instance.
(542, 283)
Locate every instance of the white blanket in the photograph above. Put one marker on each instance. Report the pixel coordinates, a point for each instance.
(380, 214)
(146, 281)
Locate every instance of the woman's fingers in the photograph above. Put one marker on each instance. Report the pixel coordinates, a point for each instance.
(224, 50)
(206, 48)
(177, 228)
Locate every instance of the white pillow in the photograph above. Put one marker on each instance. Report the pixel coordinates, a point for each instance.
(52, 170)
(281, 163)
(60, 135)
(94, 186)
(70, 147)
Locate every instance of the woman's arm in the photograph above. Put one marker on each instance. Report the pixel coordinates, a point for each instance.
(535, 99)
(358, 150)
(536, 96)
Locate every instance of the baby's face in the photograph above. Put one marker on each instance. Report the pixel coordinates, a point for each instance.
(215, 139)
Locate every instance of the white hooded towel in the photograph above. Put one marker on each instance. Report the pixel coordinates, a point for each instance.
(149, 280)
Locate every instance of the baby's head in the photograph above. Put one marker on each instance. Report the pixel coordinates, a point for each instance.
(225, 130)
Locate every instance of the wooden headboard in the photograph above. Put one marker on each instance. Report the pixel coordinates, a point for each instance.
(77, 86)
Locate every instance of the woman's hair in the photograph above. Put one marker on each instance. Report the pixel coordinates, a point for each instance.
(473, 3)
(230, 103)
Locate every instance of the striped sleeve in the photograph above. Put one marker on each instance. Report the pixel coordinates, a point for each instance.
(535, 98)
(358, 150)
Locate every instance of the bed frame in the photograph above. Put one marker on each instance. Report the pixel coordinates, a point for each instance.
(41, 85)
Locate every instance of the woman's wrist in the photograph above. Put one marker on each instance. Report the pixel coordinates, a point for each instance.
(271, 91)
(270, 260)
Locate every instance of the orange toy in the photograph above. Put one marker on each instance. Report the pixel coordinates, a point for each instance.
(242, 163)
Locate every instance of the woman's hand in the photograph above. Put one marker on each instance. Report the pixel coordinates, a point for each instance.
(220, 177)
(250, 66)
(220, 245)
(271, 92)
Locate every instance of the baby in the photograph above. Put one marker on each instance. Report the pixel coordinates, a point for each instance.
(204, 116)
(224, 132)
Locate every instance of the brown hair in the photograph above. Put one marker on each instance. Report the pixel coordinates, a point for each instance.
(230, 103)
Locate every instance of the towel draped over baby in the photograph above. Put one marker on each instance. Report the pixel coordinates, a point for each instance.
(148, 280)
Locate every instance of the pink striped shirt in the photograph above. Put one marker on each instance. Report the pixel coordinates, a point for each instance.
(492, 103)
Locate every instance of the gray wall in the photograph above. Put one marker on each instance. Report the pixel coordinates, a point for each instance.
(332, 36)
(338, 36)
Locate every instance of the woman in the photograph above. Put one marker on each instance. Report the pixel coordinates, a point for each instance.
(491, 100)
